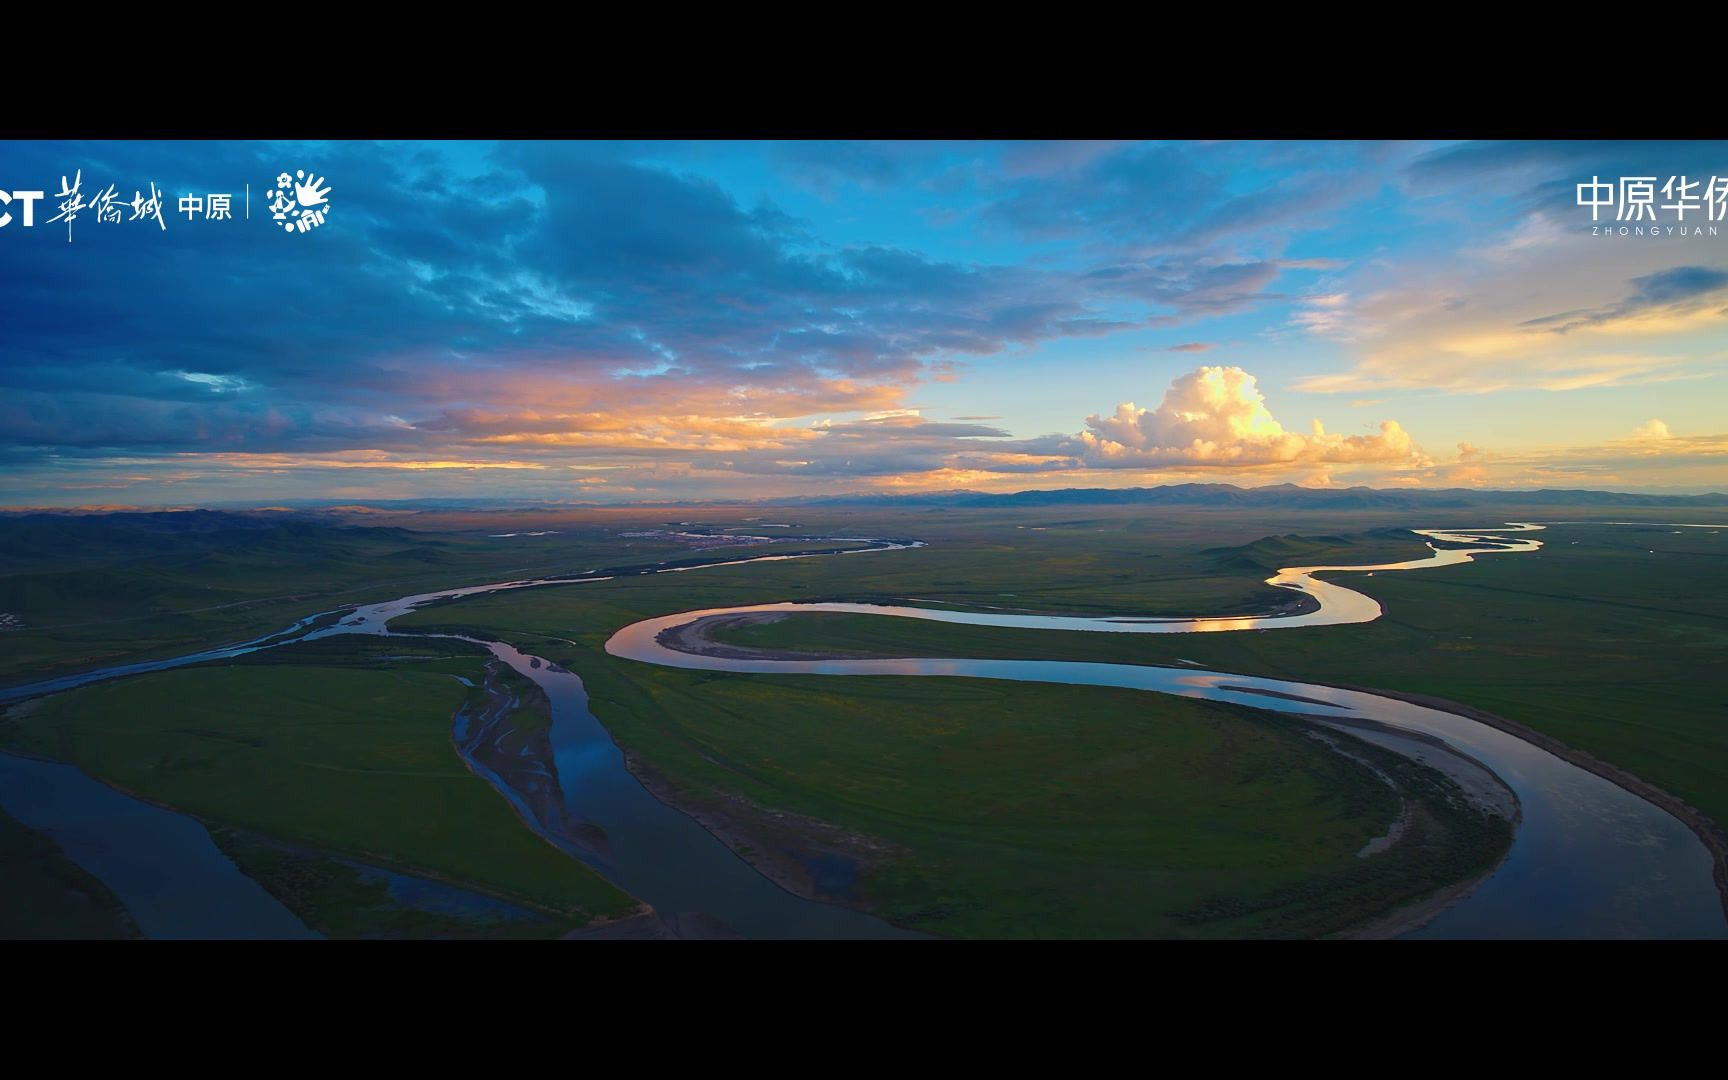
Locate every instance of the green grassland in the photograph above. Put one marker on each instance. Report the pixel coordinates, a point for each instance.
(1045, 811)
(341, 902)
(1609, 638)
(1003, 800)
(1129, 564)
(49, 897)
(1008, 810)
(1087, 560)
(1593, 640)
(93, 595)
(342, 745)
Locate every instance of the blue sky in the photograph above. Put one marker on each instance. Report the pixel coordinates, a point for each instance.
(640, 321)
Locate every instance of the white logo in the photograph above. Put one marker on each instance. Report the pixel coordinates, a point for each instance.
(301, 202)
(1635, 201)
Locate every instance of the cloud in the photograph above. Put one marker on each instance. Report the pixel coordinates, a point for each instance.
(1674, 292)
(1325, 314)
(828, 165)
(1218, 416)
(517, 311)
(1155, 198)
(1189, 285)
(1472, 467)
(1531, 176)
(1653, 439)
(513, 310)
(1497, 328)
(1056, 157)
(1651, 457)
(463, 283)
(1513, 291)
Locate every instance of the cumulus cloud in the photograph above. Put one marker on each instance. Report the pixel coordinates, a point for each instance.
(1654, 439)
(626, 302)
(508, 314)
(1651, 455)
(1218, 416)
(1472, 467)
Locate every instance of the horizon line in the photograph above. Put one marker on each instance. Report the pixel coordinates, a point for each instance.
(458, 502)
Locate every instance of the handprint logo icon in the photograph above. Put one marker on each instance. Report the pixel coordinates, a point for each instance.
(300, 202)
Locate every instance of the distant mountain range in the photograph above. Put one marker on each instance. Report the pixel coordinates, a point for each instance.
(38, 537)
(1280, 496)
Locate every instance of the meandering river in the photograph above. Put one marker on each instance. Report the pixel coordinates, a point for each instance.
(1588, 859)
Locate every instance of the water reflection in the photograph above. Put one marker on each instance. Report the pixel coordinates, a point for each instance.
(162, 866)
(1589, 859)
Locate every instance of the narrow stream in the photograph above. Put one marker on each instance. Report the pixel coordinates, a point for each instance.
(164, 868)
